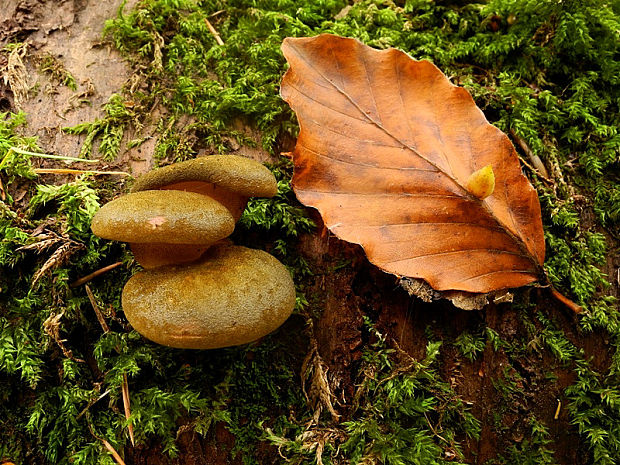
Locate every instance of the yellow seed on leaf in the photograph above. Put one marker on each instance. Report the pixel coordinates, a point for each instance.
(482, 182)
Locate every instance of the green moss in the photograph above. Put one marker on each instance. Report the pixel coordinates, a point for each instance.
(51, 66)
(470, 345)
(109, 129)
(402, 413)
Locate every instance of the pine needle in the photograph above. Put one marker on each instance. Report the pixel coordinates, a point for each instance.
(91, 403)
(539, 167)
(106, 444)
(566, 301)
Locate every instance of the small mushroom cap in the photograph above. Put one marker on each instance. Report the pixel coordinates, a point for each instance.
(233, 295)
(173, 217)
(242, 175)
(234, 202)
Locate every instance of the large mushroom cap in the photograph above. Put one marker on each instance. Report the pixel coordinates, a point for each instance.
(173, 217)
(241, 175)
(233, 296)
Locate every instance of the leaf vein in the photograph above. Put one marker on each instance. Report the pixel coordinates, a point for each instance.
(452, 252)
(383, 167)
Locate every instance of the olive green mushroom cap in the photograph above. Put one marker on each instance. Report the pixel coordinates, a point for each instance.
(173, 217)
(233, 296)
(241, 175)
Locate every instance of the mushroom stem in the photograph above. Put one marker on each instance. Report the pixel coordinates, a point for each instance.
(160, 254)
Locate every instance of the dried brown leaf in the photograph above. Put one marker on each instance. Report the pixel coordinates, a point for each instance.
(386, 149)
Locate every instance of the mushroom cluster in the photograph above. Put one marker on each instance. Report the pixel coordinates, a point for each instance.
(197, 289)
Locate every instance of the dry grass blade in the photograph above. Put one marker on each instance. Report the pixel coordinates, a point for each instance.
(98, 313)
(94, 274)
(214, 33)
(51, 156)
(117, 458)
(127, 407)
(91, 403)
(73, 171)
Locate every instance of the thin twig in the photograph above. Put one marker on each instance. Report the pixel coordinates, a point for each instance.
(72, 171)
(91, 403)
(214, 33)
(433, 430)
(539, 166)
(566, 301)
(94, 274)
(107, 445)
(2, 191)
(112, 451)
